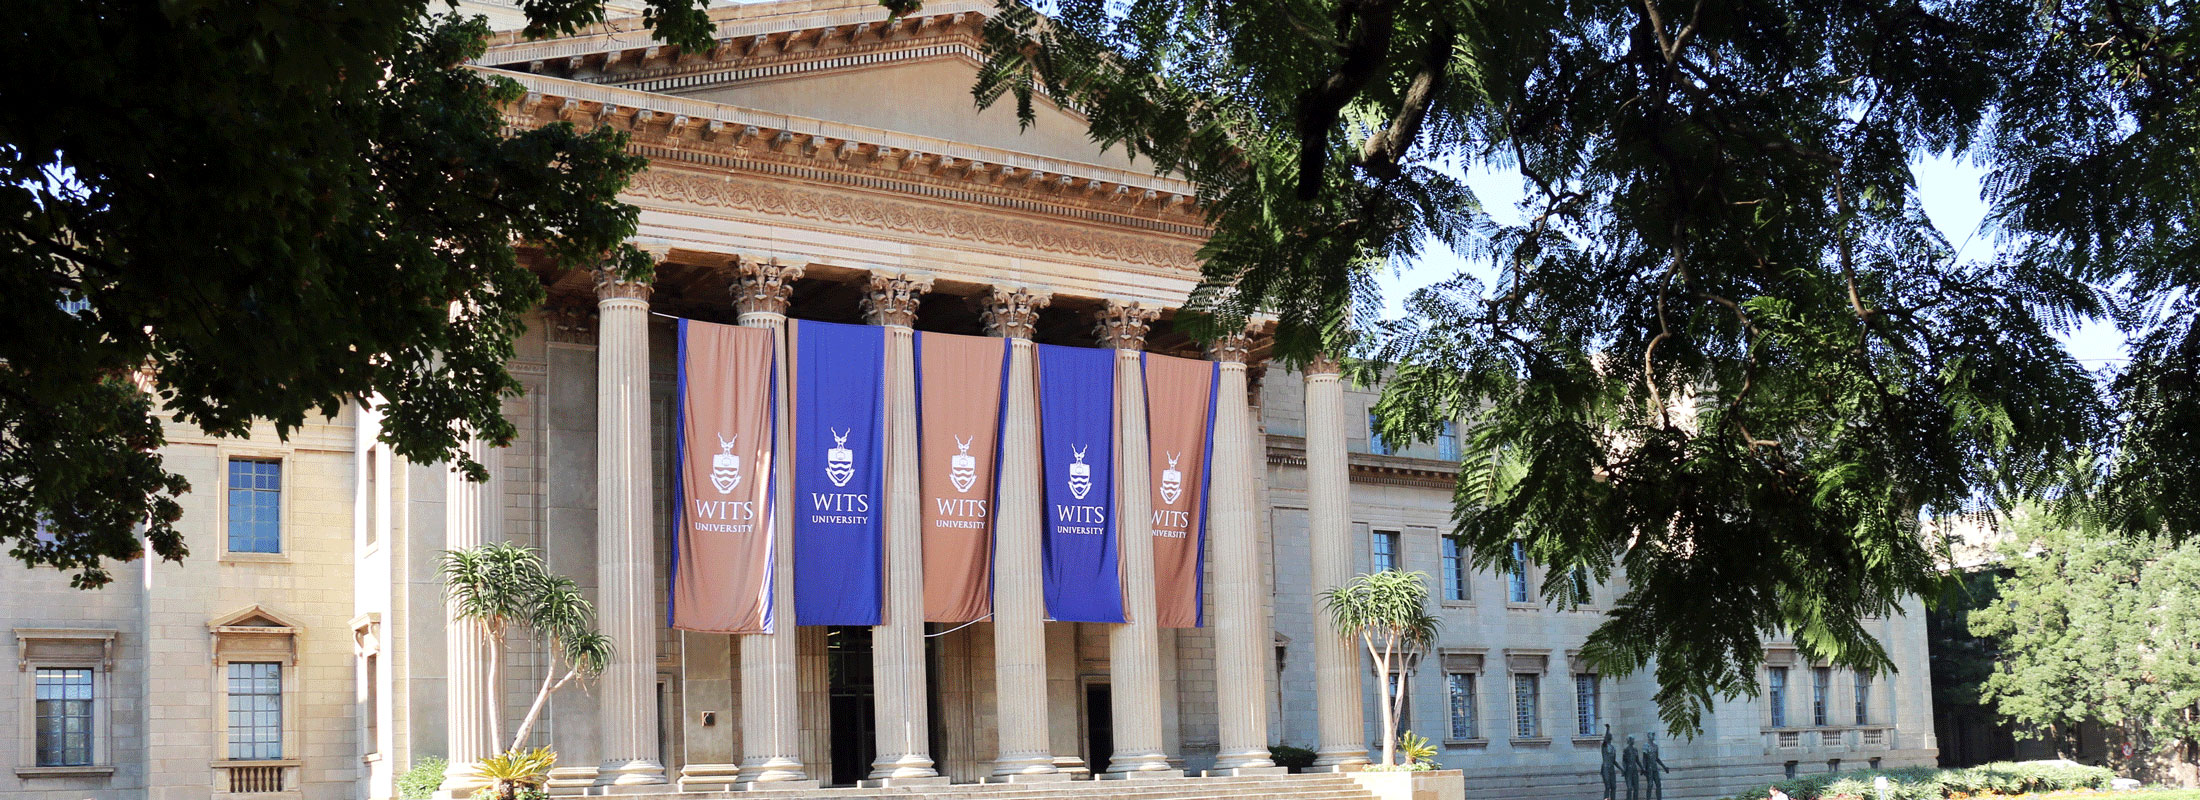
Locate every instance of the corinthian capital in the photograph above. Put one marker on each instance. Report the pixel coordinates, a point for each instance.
(1235, 347)
(1010, 312)
(763, 285)
(609, 286)
(891, 298)
(1324, 364)
(1122, 326)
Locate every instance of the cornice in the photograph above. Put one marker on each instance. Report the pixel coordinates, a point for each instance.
(677, 129)
(1368, 467)
(746, 31)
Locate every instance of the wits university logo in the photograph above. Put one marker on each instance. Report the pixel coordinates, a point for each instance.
(721, 516)
(1168, 523)
(725, 467)
(962, 471)
(840, 508)
(1080, 519)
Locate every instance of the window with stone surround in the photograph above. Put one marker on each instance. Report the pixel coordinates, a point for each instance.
(1384, 550)
(1460, 686)
(1456, 572)
(1527, 706)
(1516, 576)
(1863, 699)
(1587, 703)
(66, 685)
(255, 505)
(1375, 443)
(1447, 441)
(1821, 696)
(255, 711)
(1776, 695)
(255, 681)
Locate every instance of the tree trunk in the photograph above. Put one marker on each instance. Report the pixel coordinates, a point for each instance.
(541, 695)
(496, 678)
(1390, 718)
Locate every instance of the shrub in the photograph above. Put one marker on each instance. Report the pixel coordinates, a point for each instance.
(423, 779)
(1296, 758)
(1923, 783)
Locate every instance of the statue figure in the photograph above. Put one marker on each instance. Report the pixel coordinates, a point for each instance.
(1630, 767)
(1611, 766)
(1654, 768)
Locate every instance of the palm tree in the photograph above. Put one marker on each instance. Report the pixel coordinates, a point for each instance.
(1388, 612)
(503, 585)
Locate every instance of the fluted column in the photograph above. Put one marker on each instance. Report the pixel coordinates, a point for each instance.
(1134, 650)
(771, 728)
(1019, 597)
(897, 645)
(1329, 529)
(624, 554)
(467, 713)
(1241, 628)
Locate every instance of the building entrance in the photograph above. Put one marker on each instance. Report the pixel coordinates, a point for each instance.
(1099, 726)
(854, 717)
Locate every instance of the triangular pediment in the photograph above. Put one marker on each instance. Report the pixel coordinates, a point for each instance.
(253, 616)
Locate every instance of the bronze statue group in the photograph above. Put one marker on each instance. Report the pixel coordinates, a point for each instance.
(1638, 767)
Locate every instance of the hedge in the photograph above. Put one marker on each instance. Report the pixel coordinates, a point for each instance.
(1926, 783)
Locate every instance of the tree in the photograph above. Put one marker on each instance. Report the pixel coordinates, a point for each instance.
(219, 212)
(505, 586)
(1725, 348)
(2094, 626)
(1388, 612)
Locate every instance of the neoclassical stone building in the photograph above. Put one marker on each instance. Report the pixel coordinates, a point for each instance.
(826, 163)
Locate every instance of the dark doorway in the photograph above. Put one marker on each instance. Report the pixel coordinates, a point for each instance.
(1099, 726)
(854, 717)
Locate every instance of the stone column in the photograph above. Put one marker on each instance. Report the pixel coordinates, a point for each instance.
(466, 712)
(771, 727)
(624, 544)
(1241, 632)
(1329, 527)
(1134, 649)
(897, 644)
(1019, 596)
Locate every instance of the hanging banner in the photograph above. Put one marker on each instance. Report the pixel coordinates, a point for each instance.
(1077, 446)
(1180, 418)
(722, 535)
(959, 402)
(839, 460)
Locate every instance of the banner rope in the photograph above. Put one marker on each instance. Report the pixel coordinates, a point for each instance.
(959, 627)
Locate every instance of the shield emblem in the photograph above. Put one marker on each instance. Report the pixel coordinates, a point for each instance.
(725, 467)
(840, 462)
(1172, 481)
(1080, 474)
(962, 468)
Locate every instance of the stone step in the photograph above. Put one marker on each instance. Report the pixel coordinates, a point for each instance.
(1116, 791)
(1265, 787)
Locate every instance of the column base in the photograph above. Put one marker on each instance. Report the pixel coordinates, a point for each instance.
(1141, 775)
(1339, 759)
(461, 780)
(1028, 777)
(918, 780)
(708, 777)
(1245, 772)
(630, 772)
(570, 781)
(774, 769)
(777, 786)
(1071, 765)
(1255, 759)
(1338, 767)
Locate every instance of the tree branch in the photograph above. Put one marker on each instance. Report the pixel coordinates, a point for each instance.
(1368, 45)
(1383, 151)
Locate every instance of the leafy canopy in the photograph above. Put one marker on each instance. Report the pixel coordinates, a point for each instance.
(2089, 625)
(1725, 351)
(219, 212)
(1388, 613)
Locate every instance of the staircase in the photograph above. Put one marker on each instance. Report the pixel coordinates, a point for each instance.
(1328, 786)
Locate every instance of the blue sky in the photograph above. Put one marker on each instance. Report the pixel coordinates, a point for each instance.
(1948, 187)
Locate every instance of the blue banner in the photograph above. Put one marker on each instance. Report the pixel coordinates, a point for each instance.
(839, 463)
(1077, 444)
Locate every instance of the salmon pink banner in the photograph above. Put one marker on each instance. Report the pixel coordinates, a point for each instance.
(1180, 413)
(959, 407)
(839, 382)
(1077, 445)
(722, 536)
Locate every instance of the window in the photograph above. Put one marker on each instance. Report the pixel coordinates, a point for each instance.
(1527, 698)
(64, 699)
(1789, 770)
(1776, 694)
(1821, 688)
(1375, 443)
(1386, 550)
(1516, 576)
(371, 502)
(1455, 571)
(255, 711)
(1585, 704)
(255, 506)
(1447, 442)
(1461, 686)
(1863, 699)
(1580, 577)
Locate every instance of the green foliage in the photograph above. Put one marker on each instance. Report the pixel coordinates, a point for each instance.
(420, 782)
(503, 585)
(226, 213)
(1725, 349)
(1419, 753)
(1925, 783)
(516, 774)
(1388, 612)
(1297, 759)
(2092, 625)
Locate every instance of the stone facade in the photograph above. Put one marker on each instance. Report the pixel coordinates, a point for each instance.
(825, 164)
